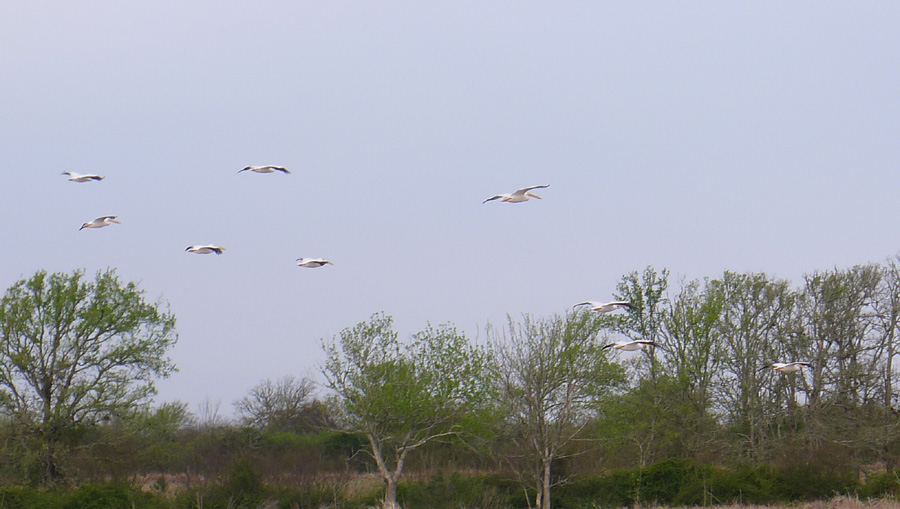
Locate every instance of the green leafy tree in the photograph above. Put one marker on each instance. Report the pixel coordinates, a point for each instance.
(74, 352)
(756, 327)
(667, 409)
(647, 318)
(401, 397)
(849, 324)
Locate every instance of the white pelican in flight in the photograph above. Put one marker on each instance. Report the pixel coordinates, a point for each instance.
(312, 263)
(632, 346)
(77, 177)
(605, 307)
(787, 367)
(100, 222)
(266, 169)
(517, 196)
(209, 248)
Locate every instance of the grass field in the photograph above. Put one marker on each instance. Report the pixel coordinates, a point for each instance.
(835, 503)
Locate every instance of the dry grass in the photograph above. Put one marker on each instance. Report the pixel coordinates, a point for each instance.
(835, 503)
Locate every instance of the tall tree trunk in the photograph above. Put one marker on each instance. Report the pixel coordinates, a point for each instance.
(390, 494)
(390, 478)
(545, 485)
(52, 473)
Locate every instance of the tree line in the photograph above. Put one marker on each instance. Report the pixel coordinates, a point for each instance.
(539, 403)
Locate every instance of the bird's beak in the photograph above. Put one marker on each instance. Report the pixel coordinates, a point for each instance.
(82, 227)
(534, 196)
(114, 221)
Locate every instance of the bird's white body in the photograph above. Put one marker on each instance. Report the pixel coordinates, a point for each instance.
(100, 222)
(631, 346)
(312, 263)
(605, 307)
(517, 196)
(789, 367)
(207, 249)
(266, 169)
(78, 177)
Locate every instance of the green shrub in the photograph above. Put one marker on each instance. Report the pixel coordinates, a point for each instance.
(661, 482)
(682, 482)
(244, 486)
(110, 496)
(748, 485)
(315, 495)
(452, 491)
(21, 497)
(881, 485)
(813, 482)
(615, 489)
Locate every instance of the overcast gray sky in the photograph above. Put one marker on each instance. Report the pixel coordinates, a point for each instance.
(693, 136)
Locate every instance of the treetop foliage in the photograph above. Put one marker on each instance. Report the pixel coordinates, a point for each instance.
(75, 351)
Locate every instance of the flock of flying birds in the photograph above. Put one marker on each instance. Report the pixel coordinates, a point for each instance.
(104, 221)
(517, 196)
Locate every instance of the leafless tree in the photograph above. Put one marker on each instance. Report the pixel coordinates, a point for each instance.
(283, 404)
(552, 374)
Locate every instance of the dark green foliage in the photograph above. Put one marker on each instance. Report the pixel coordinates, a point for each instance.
(810, 482)
(244, 486)
(314, 496)
(664, 481)
(616, 489)
(20, 497)
(89, 496)
(110, 496)
(337, 444)
(744, 485)
(454, 491)
(672, 483)
(881, 485)
(686, 483)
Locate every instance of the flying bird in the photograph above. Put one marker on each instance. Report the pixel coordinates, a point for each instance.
(312, 263)
(632, 346)
(77, 177)
(209, 248)
(787, 367)
(605, 307)
(266, 169)
(517, 196)
(100, 222)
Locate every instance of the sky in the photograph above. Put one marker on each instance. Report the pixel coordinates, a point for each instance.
(694, 136)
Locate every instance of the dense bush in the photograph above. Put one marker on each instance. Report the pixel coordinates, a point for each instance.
(677, 482)
(90, 496)
(882, 485)
(682, 482)
(454, 491)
